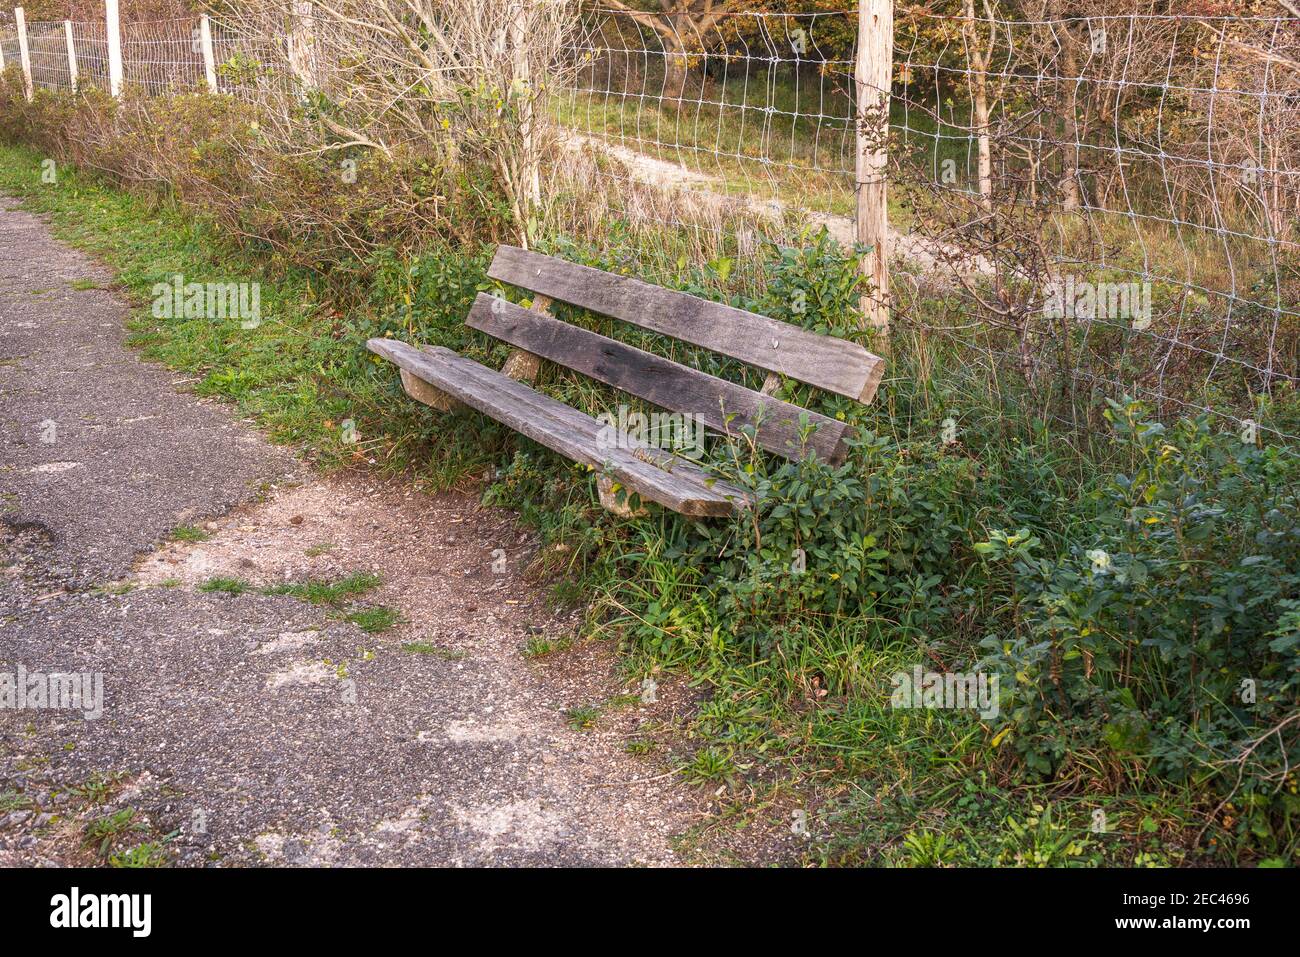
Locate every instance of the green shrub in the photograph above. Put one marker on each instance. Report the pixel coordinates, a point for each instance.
(1169, 637)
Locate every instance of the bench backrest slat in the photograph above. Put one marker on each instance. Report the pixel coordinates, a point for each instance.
(836, 365)
(721, 405)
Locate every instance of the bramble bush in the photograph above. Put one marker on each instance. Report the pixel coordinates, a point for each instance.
(1169, 636)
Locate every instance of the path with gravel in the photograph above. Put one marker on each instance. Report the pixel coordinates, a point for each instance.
(256, 728)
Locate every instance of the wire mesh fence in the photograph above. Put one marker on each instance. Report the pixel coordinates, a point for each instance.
(748, 109)
(47, 46)
(90, 46)
(163, 56)
(1132, 184)
(158, 57)
(1111, 200)
(8, 45)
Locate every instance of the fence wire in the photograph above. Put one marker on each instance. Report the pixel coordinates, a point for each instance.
(1114, 199)
(1132, 223)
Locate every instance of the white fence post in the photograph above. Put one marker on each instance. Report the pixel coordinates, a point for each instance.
(113, 30)
(24, 54)
(209, 59)
(873, 75)
(72, 56)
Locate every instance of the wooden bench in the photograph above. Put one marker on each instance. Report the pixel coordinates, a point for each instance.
(445, 380)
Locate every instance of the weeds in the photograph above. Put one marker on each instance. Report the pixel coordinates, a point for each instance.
(374, 620)
(329, 593)
(425, 648)
(107, 830)
(582, 718)
(227, 586)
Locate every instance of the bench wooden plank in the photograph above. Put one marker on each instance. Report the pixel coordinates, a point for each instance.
(580, 422)
(668, 384)
(583, 424)
(685, 488)
(836, 365)
(692, 490)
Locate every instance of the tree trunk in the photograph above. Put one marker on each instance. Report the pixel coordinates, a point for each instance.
(1069, 184)
(676, 67)
(980, 103)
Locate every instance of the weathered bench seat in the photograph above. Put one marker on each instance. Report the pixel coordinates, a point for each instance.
(443, 379)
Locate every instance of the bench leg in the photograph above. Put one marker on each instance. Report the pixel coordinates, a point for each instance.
(609, 499)
(421, 391)
(522, 366)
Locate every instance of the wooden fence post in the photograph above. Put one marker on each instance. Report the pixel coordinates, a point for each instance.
(113, 30)
(302, 55)
(72, 56)
(873, 75)
(209, 59)
(24, 54)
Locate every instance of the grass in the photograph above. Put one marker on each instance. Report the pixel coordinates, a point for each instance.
(334, 594)
(583, 717)
(374, 620)
(539, 647)
(227, 586)
(106, 830)
(97, 789)
(148, 854)
(189, 533)
(320, 592)
(115, 588)
(711, 765)
(14, 801)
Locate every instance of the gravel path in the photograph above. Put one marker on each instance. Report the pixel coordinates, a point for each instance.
(253, 728)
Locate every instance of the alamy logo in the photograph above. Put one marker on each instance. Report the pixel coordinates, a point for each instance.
(1068, 298)
(976, 690)
(681, 432)
(84, 692)
(134, 911)
(179, 299)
